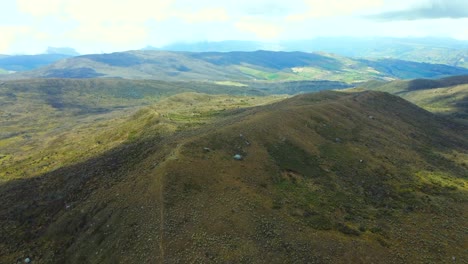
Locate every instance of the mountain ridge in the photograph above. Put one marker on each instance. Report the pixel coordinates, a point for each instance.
(324, 177)
(430, 50)
(446, 96)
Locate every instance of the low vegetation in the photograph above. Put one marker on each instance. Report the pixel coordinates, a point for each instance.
(447, 97)
(330, 177)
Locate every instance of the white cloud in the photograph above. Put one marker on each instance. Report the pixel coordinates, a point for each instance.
(39, 8)
(94, 25)
(461, 34)
(334, 8)
(262, 29)
(116, 23)
(430, 9)
(108, 37)
(205, 15)
(122, 11)
(10, 36)
(117, 11)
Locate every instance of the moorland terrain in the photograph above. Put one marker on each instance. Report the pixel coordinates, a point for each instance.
(175, 157)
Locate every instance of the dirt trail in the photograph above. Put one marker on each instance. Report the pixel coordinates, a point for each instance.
(160, 182)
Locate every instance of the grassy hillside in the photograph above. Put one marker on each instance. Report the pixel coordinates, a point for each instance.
(236, 66)
(34, 144)
(447, 96)
(40, 115)
(323, 178)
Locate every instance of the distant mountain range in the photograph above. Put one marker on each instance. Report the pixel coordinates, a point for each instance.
(238, 66)
(14, 63)
(28, 62)
(431, 50)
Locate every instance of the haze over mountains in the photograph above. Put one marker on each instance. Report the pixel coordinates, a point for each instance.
(14, 63)
(217, 66)
(431, 50)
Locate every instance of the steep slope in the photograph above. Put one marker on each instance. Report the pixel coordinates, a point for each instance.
(322, 178)
(217, 66)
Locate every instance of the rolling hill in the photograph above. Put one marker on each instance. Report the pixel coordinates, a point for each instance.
(447, 96)
(237, 66)
(329, 177)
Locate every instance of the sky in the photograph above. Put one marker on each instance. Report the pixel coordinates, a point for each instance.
(102, 26)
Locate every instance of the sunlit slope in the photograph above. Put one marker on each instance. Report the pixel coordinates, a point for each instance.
(37, 137)
(326, 178)
(59, 115)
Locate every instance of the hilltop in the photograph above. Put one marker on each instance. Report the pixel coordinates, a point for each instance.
(447, 96)
(326, 178)
(237, 66)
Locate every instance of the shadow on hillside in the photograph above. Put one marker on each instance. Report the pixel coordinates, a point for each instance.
(423, 84)
(30, 205)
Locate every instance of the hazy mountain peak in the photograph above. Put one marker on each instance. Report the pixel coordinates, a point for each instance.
(62, 50)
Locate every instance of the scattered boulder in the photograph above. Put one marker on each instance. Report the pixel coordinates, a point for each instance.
(27, 260)
(238, 157)
(338, 140)
(206, 149)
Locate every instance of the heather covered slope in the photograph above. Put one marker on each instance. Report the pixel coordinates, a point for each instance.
(324, 178)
